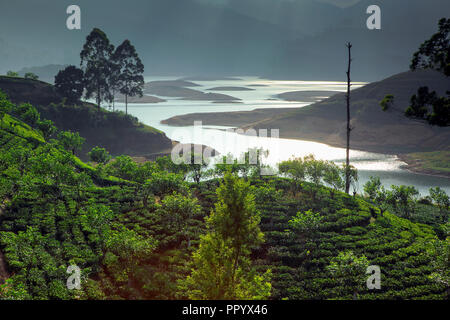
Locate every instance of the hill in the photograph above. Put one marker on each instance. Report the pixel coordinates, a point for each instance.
(127, 243)
(45, 73)
(374, 130)
(179, 89)
(324, 121)
(118, 133)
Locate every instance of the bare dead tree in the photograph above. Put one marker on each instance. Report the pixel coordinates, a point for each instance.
(347, 163)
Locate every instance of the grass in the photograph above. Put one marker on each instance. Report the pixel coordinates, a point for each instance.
(438, 161)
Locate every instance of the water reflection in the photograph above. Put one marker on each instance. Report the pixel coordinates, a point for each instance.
(387, 167)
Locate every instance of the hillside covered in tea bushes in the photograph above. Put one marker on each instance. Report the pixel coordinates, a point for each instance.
(133, 229)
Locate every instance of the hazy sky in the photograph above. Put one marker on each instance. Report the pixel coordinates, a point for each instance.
(282, 38)
(339, 3)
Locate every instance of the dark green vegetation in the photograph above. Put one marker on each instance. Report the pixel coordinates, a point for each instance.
(433, 54)
(139, 231)
(115, 131)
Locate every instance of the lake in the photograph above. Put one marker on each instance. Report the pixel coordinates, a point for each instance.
(387, 167)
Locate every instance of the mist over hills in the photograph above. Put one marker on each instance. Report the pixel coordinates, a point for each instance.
(289, 39)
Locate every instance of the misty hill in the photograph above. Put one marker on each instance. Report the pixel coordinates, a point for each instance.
(277, 39)
(230, 89)
(325, 121)
(172, 83)
(305, 96)
(45, 73)
(144, 99)
(118, 133)
(161, 88)
(374, 130)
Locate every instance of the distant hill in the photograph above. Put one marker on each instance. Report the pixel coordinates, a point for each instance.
(118, 133)
(166, 89)
(278, 39)
(36, 92)
(325, 121)
(45, 73)
(374, 130)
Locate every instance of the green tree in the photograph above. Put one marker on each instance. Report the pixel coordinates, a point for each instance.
(350, 271)
(387, 102)
(306, 224)
(130, 80)
(122, 167)
(404, 199)
(47, 128)
(71, 141)
(196, 164)
(99, 155)
(421, 103)
(434, 53)
(95, 63)
(176, 211)
(334, 176)
(31, 75)
(166, 164)
(163, 183)
(125, 248)
(12, 74)
(294, 169)
(315, 169)
(221, 265)
(441, 199)
(95, 220)
(372, 188)
(27, 113)
(69, 83)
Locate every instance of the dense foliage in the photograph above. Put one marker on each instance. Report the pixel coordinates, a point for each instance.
(156, 230)
(434, 53)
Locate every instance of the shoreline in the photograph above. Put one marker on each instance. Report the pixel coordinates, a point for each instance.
(247, 119)
(415, 165)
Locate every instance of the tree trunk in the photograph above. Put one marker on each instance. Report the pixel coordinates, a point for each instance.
(114, 98)
(98, 97)
(126, 103)
(347, 162)
(235, 265)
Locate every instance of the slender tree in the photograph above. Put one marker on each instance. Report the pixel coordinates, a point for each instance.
(69, 83)
(130, 69)
(347, 161)
(221, 265)
(95, 63)
(114, 78)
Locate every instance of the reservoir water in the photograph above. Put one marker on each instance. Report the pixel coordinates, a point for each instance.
(389, 168)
